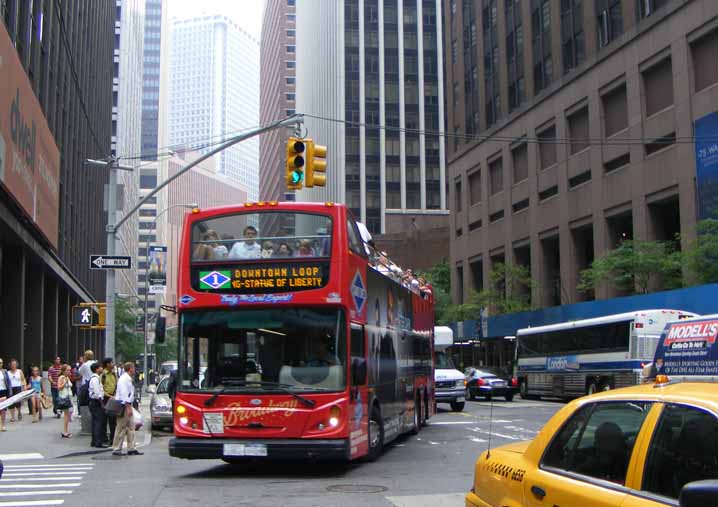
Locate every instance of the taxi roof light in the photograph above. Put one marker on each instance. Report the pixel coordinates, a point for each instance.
(662, 379)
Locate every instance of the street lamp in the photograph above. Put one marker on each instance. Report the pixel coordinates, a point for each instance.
(147, 283)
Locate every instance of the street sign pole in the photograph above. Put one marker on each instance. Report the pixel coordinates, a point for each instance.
(110, 284)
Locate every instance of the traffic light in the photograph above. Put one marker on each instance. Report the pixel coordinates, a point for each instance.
(316, 163)
(295, 163)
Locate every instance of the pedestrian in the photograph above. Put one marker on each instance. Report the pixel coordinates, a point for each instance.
(5, 391)
(109, 386)
(53, 372)
(125, 425)
(97, 399)
(86, 369)
(35, 383)
(64, 400)
(17, 385)
(28, 373)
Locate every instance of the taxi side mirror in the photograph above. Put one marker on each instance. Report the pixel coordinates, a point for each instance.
(699, 494)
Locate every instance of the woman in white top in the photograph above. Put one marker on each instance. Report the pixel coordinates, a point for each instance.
(4, 393)
(17, 384)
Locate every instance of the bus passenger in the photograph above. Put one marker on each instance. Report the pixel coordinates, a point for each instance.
(210, 248)
(305, 249)
(248, 248)
(267, 250)
(282, 251)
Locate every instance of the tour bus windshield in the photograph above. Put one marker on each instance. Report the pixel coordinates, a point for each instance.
(444, 362)
(301, 349)
(265, 235)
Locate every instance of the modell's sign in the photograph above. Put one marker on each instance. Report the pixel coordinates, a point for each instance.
(29, 158)
(705, 331)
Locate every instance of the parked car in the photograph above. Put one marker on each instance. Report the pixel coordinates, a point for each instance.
(489, 383)
(643, 446)
(167, 367)
(161, 406)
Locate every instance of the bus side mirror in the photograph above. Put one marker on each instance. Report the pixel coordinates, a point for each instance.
(358, 371)
(699, 493)
(160, 324)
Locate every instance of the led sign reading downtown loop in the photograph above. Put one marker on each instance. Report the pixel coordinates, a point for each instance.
(262, 278)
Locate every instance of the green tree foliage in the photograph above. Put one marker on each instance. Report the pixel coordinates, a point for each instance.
(509, 291)
(439, 276)
(128, 343)
(167, 351)
(635, 266)
(701, 257)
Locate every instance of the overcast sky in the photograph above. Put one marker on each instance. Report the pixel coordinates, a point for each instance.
(246, 13)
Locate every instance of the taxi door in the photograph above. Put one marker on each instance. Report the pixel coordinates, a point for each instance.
(544, 488)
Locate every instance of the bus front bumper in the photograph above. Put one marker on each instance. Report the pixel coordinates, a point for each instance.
(258, 449)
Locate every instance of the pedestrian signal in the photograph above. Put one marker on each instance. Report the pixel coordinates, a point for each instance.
(83, 316)
(295, 163)
(316, 164)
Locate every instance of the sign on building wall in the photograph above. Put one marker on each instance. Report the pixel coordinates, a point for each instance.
(706, 143)
(29, 157)
(158, 269)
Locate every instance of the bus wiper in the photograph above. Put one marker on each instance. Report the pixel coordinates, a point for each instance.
(209, 401)
(283, 387)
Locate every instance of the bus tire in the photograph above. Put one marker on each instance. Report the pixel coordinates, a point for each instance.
(591, 387)
(457, 406)
(417, 415)
(425, 419)
(376, 434)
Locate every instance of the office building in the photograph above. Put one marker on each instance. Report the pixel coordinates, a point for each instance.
(56, 63)
(276, 94)
(369, 75)
(572, 128)
(151, 78)
(214, 92)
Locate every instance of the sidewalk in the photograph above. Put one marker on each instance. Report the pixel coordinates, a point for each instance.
(27, 440)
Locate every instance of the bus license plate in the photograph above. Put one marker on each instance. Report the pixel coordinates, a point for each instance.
(244, 450)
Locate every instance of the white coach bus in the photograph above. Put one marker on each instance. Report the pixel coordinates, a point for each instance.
(584, 356)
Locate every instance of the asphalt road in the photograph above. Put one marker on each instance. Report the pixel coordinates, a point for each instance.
(434, 468)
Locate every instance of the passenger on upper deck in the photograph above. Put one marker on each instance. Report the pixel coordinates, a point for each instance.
(210, 248)
(283, 251)
(305, 249)
(267, 250)
(247, 248)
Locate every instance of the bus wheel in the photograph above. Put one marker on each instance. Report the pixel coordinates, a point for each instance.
(592, 388)
(417, 415)
(425, 413)
(457, 406)
(376, 434)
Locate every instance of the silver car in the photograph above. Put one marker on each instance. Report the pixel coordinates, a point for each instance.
(161, 406)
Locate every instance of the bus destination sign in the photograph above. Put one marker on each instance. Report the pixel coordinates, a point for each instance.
(262, 278)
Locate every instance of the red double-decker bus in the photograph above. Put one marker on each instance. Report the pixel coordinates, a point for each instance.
(293, 342)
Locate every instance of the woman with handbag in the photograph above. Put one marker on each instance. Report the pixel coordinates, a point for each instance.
(64, 402)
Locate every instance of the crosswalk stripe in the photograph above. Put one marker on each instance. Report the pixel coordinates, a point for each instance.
(35, 474)
(37, 493)
(21, 456)
(21, 479)
(29, 503)
(39, 486)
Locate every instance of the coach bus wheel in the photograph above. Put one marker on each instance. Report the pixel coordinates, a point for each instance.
(417, 415)
(457, 406)
(376, 434)
(592, 388)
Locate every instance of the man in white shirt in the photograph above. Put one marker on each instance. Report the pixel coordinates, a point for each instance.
(86, 368)
(247, 248)
(125, 394)
(97, 394)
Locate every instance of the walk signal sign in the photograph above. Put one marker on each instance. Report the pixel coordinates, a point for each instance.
(84, 316)
(295, 163)
(316, 164)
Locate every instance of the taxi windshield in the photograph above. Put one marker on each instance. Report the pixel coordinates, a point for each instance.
(264, 235)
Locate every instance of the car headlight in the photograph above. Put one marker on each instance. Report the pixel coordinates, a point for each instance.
(460, 383)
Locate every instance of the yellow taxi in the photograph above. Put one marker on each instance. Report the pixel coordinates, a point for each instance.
(633, 447)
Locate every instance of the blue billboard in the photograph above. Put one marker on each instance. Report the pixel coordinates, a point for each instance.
(706, 145)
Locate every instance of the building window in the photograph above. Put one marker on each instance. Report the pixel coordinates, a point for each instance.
(148, 212)
(291, 48)
(615, 111)
(646, 8)
(515, 53)
(148, 179)
(458, 197)
(521, 162)
(291, 80)
(491, 62)
(541, 44)
(475, 187)
(578, 130)
(291, 33)
(291, 17)
(658, 86)
(703, 51)
(547, 146)
(291, 64)
(610, 21)
(289, 96)
(290, 112)
(572, 36)
(496, 176)
(454, 51)
(291, 3)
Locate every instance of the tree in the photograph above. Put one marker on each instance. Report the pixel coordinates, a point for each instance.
(701, 257)
(509, 291)
(439, 276)
(635, 266)
(167, 351)
(128, 343)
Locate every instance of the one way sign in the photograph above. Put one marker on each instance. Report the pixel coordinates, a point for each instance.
(110, 262)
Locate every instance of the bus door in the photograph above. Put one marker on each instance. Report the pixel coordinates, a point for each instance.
(358, 416)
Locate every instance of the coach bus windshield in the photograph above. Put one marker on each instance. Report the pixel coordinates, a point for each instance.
(304, 349)
(265, 235)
